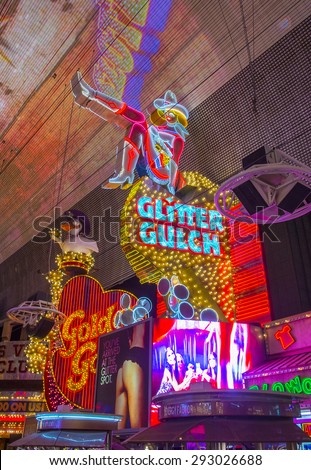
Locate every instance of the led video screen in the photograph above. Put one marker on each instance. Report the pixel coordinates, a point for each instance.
(185, 352)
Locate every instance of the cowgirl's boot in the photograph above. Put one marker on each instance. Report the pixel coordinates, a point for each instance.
(125, 176)
(82, 92)
(99, 103)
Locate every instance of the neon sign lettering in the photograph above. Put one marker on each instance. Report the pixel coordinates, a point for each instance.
(295, 385)
(178, 226)
(82, 347)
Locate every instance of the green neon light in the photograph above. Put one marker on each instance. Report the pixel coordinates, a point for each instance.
(296, 385)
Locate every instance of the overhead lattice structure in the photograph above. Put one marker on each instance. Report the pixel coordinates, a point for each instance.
(38, 316)
(271, 187)
(29, 312)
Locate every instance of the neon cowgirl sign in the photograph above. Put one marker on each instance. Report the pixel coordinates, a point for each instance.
(169, 224)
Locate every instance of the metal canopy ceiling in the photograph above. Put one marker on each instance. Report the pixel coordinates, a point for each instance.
(293, 363)
(53, 153)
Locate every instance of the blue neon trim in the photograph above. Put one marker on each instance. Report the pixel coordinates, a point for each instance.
(52, 416)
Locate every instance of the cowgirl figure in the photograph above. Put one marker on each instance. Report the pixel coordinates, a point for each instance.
(155, 149)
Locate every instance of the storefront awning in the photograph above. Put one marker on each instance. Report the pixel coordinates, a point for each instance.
(61, 439)
(215, 429)
(294, 363)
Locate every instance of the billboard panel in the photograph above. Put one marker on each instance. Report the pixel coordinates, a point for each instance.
(123, 374)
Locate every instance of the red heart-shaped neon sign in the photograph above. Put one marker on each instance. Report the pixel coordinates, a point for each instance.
(70, 376)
